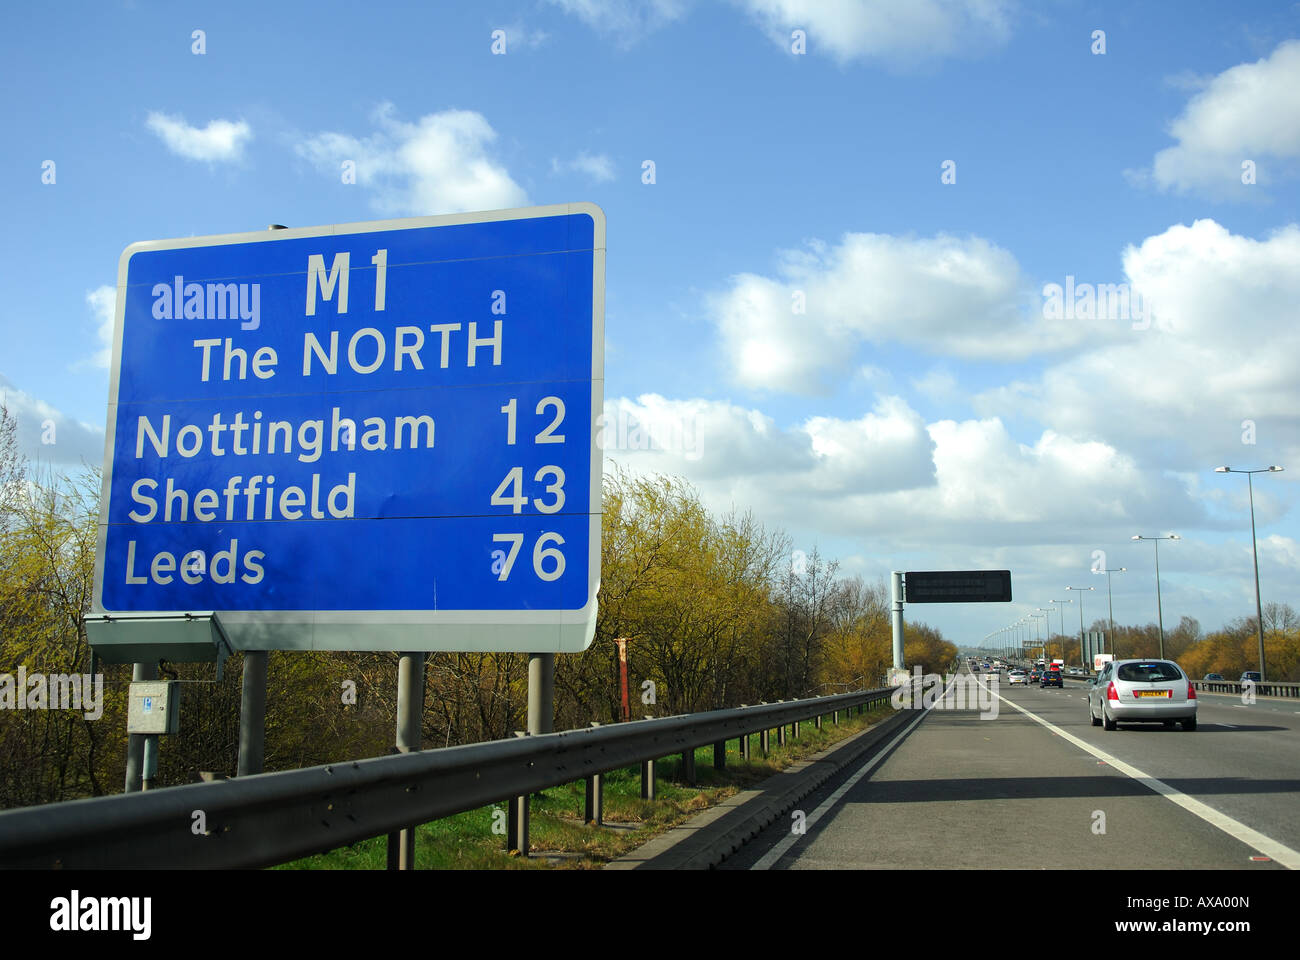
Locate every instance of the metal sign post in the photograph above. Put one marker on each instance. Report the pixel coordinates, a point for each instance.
(135, 741)
(410, 717)
(252, 714)
(541, 693)
(896, 616)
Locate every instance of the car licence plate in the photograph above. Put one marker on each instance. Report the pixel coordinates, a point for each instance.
(1162, 694)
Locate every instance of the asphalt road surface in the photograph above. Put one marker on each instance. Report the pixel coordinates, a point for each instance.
(1039, 787)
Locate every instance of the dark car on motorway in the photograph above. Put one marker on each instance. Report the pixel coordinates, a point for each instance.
(1213, 676)
(1034, 675)
(1052, 678)
(1251, 675)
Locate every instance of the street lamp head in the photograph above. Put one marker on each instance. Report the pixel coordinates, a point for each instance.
(1223, 469)
(1275, 469)
(1174, 536)
(1135, 537)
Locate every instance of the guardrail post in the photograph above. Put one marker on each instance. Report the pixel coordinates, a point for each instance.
(688, 766)
(720, 755)
(594, 805)
(795, 730)
(780, 735)
(594, 808)
(744, 748)
(517, 820)
(817, 721)
(763, 741)
(648, 780)
(835, 718)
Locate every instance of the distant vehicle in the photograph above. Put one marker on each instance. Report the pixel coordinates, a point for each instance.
(1034, 675)
(1142, 691)
(1052, 678)
(1252, 675)
(1016, 676)
(1214, 676)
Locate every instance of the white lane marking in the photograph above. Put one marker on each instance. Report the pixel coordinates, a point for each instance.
(1234, 828)
(768, 859)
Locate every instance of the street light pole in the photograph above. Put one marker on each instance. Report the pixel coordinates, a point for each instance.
(1160, 607)
(1160, 610)
(1082, 654)
(1259, 610)
(1036, 617)
(1110, 603)
(1254, 552)
(1062, 609)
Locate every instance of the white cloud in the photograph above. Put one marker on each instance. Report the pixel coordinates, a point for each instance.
(103, 303)
(943, 295)
(887, 30)
(1249, 112)
(598, 167)
(47, 436)
(886, 449)
(937, 384)
(889, 477)
(1175, 399)
(439, 164)
(220, 140)
(625, 20)
(1280, 551)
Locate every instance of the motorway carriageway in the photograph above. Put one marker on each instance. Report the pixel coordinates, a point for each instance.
(1029, 786)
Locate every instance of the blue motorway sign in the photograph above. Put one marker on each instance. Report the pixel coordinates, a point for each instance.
(362, 436)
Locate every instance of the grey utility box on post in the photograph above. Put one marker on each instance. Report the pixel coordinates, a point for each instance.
(154, 706)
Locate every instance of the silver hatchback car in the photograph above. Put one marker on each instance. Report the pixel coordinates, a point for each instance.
(1142, 691)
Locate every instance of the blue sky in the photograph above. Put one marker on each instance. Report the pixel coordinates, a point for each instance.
(921, 411)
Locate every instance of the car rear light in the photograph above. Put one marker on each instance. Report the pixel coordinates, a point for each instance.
(1191, 691)
(1111, 692)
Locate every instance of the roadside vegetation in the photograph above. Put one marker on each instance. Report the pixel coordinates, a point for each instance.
(1229, 651)
(718, 610)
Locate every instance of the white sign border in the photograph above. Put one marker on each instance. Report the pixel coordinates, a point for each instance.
(523, 631)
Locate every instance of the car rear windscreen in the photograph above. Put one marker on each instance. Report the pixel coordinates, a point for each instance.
(1156, 671)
